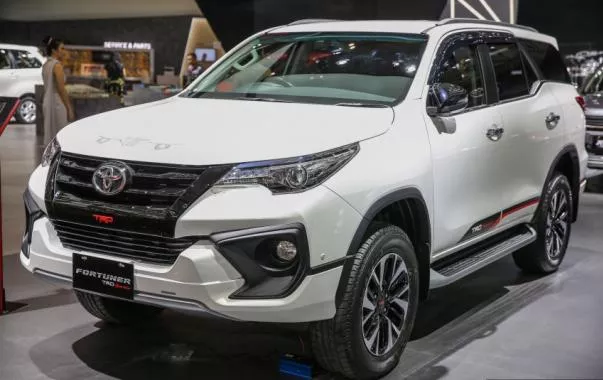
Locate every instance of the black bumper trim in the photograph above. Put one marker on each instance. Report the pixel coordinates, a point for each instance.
(330, 265)
(239, 248)
(32, 213)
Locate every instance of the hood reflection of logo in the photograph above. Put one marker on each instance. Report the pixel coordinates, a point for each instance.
(111, 178)
(129, 142)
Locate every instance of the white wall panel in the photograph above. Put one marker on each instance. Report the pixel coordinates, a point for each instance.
(42, 10)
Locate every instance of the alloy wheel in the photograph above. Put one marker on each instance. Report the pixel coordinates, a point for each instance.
(385, 304)
(27, 111)
(556, 225)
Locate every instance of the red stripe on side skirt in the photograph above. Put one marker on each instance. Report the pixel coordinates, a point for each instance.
(519, 207)
(494, 223)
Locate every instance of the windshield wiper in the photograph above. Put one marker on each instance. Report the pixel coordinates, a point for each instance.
(365, 105)
(194, 94)
(260, 99)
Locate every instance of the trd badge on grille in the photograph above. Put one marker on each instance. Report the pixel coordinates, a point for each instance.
(111, 178)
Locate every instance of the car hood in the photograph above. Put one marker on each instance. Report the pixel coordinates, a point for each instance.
(208, 131)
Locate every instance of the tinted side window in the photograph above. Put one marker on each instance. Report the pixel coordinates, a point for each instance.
(462, 67)
(25, 60)
(508, 68)
(548, 59)
(530, 73)
(4, 61)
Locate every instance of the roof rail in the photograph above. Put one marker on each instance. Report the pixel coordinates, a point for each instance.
(485, 22)
(311, 21)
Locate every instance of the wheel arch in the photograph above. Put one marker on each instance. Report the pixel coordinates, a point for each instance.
(567, 162)
(410, 211)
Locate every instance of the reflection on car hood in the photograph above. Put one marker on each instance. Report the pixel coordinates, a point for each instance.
(209, 131)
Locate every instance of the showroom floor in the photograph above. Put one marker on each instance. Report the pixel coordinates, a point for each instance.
(495, 324)
(19, 154)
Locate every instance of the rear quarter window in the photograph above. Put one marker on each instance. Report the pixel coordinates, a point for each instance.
(547, 59)
(25, 60)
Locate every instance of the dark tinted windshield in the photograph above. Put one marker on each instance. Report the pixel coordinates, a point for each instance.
(594, 83)
(318, 67)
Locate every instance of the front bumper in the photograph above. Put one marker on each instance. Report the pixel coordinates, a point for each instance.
(201, 280)
(204, 277)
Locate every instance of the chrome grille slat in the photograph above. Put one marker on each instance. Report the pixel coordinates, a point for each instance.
(152, 184)
(124, 244)
(97, 232)
(594, 120)
(136, 246)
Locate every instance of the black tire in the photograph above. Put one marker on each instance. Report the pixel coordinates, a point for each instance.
(537, 257)
(20, 115)
(116, 311)
(339, 343)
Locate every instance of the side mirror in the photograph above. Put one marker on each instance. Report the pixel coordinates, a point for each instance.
(448, 98)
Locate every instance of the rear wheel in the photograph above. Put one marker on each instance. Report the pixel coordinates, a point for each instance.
(374, 320)
(26, 113)
(553, 226)
(115, 311)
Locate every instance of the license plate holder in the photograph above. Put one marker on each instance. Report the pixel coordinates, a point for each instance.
(102, 276)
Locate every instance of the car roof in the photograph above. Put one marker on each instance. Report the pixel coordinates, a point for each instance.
(380, 26)
(429, 27)
(19, 47)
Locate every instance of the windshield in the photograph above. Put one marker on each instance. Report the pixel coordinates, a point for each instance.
(324, 68)
(594, 83)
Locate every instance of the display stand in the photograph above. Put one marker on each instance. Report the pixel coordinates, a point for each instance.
(8, 107)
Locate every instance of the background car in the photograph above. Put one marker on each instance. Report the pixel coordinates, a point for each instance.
(20, 72)
(592, 91)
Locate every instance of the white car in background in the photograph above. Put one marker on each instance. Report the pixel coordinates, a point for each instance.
(20, 72)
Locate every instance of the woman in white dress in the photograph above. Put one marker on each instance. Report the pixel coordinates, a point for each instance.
(57, 108)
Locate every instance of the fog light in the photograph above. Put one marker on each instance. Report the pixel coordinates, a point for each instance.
(286, 251)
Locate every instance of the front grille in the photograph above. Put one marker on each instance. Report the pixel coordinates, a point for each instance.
(596, 121)
(142, 217)
(147, 248)
(153, 186)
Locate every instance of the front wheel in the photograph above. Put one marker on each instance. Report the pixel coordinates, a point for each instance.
(553, 226)
(374, 319)
(26, 113)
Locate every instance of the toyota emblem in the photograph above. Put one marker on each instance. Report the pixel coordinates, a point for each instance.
(111, 178)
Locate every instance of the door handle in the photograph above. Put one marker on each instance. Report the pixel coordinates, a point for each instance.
(495, 133)
(552, 120)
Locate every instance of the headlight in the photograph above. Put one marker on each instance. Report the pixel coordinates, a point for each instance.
(292, 174)
(51, 150)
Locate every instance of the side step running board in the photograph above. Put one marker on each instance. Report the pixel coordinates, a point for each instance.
(455, 270)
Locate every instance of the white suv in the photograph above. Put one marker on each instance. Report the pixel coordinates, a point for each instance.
(331, 172)
(20, 72)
